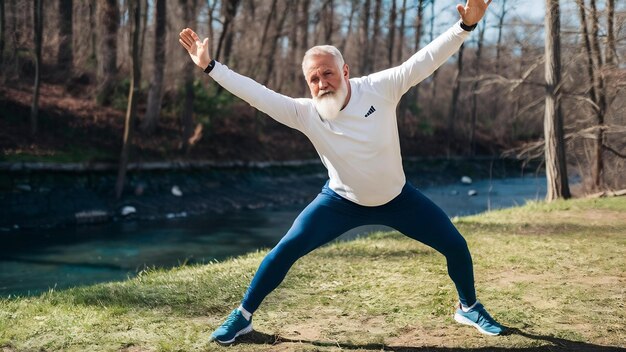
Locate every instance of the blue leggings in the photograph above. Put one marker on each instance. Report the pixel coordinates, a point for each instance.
(329, 216)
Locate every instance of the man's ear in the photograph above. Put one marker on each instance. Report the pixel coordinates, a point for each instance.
(346, 71)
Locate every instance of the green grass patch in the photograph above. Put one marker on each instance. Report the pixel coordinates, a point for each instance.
(554, 272)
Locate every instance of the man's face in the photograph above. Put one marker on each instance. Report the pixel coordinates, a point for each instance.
(328, 85)
(323, 76)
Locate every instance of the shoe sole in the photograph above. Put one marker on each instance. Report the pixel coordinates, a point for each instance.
(243, 331)
(463, 320)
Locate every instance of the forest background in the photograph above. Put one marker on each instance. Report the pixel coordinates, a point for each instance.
(66, 69)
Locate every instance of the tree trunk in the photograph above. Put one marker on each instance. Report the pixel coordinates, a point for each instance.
(375, 37)
(364, 54)
(65, 55)
(2, 30)
(556, 169)
(598, 167)
(495, 108)
(418, 39)
(479, 50)
(344, 41)
(304, 36)
(110, 17)
(211, 32)
(134, 9)
(155, 95)
(456, 90)
(329, 18)
(432, 27)
(294, 74)
(499, 40)
(412, 96)
(229, 11)
(271, 58)
(611, 51)
(38, 27)
(392, 34)
(266, 29)
(93, 57)
(189, 70)
(144, 26)
(401, 32)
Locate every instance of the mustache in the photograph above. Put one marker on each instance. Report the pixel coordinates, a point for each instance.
(323, 93)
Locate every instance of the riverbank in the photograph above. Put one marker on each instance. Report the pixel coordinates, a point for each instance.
(553, 272)
(42, 196)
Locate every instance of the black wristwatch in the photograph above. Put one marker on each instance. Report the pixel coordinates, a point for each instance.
(468, 28)
(208, 69)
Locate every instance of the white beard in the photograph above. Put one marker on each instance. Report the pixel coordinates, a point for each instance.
(328, 103)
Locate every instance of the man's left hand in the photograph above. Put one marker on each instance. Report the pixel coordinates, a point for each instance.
(473, 11)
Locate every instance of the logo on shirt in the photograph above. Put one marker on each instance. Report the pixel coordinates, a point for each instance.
(370, 111)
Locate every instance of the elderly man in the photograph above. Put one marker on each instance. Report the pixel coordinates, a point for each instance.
(352, 125)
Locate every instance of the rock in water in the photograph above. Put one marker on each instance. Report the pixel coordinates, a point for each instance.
(466, 180)
(472, 192)
(176, 191)
(127, 210)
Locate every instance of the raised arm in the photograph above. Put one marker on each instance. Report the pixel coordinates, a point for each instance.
(396, 81)
(283, 109)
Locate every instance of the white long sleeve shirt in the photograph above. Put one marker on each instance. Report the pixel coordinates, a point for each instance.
(361, 147)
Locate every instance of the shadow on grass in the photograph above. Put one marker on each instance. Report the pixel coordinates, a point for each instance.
(554, 344)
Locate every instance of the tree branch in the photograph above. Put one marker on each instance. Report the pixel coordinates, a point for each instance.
(607, 147)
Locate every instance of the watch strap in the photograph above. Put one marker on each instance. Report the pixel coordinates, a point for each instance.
(208, 69)
(468, 28)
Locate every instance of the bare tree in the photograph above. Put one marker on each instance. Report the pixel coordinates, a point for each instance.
(556, 168)
(304, 37)
(110, 17)
(266, 29)
(134, 9)
(293, 41)
(225, 43)
(610, 50)
(456, 90)
(329, 18)
(155, 95)
(419, 20)
(144, 26)
(432, 26)
(477, 61)
(278, 32)
(401, 31)
(392, 33)
(65, 55)
(2, 31)
(412, 96)
(189, 9)
(93, 42)
(211, 17)
(375, 35)
(495, 107)
(38, 32)
(364, 53)
(344, 41)
(501, 16)
(600, 95)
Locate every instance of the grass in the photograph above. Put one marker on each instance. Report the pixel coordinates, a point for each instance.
(554, 272)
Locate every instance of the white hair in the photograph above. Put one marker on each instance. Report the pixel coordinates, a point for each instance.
(323, 50)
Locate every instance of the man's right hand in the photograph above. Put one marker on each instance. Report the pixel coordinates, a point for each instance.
(199, 51)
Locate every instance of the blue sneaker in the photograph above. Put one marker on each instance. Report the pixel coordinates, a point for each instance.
(235, 325)
(478, 317)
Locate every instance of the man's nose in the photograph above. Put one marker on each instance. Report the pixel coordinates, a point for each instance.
(323, 83)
